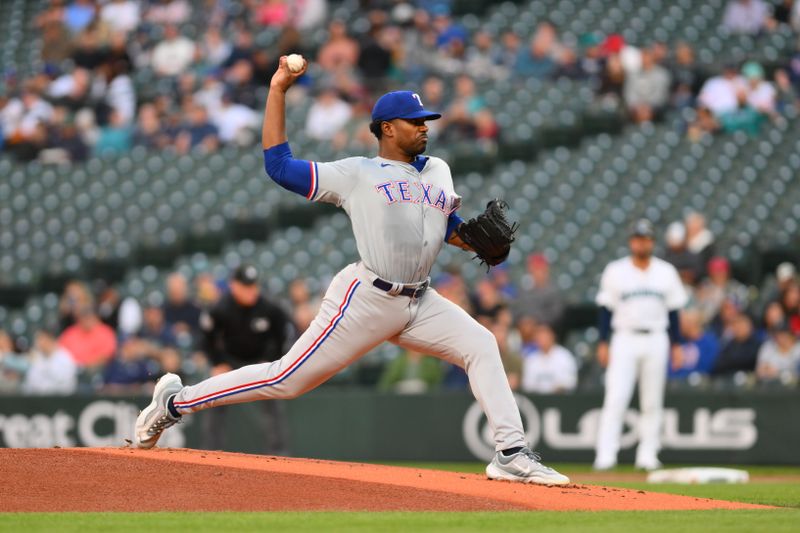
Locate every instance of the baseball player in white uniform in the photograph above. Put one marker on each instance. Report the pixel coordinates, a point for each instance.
(403, 209)
(639, 299)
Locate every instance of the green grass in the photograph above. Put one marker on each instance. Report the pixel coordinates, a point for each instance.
(540, 522)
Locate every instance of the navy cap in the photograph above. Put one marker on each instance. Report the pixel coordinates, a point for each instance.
(642, 228)
(246, 274)
(401, 104)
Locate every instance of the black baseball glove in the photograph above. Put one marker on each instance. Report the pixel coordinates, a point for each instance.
(489, 234)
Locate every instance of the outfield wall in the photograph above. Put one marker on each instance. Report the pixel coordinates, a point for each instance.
(701, 427)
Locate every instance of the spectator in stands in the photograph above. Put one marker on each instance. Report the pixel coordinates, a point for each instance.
(501, 279)
(236, 122)
(304, 307)
(480, 60)
(761, 94)
(181, 314)
(612, 82)
(630, 57)
(124, 315)
(433, 91)
(451, 285)
(782, 11)
(327, 115)
(686, 76)
(790, 301)
(509, 51)
(116, 137)
(788, 96)
(773, 315)
(785, 277)
(90, 342)
(536, 61)
(590, 56)
(647, 90)
(720, 286)
(487, 302)
(135, 365)
(169, 12)
(199, 132)
(214, 48)
(512, 360)
(746, 16)
(308, 15)
(121, 15)
(207, 290)
(52, 369)
(550, 368)
(699, 239)
(678, 255)
(539, 298)
(154, 328)
(64, 143)
(700, 347)
(411, 373)
(273, 13)
(75, 296)
(240, 84)
(173, 54)
(569, 66)
(779, 356)
(149, 131)
(12, 365)
(722, 94)
(71, 89)
(78, 15)
(340, 51)
(243, 48)
(23, 121)
(740, 351)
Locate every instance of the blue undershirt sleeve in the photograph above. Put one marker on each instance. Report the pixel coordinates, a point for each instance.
(452, 223)
(674, 328)
(292, 174)
(604, 323)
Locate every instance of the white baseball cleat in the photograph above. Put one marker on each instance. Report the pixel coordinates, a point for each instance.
(525, 467)
(155, 418)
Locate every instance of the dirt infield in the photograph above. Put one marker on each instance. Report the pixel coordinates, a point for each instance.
(122, 479)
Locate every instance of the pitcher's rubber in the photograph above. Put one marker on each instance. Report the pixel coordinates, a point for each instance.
(125, 479)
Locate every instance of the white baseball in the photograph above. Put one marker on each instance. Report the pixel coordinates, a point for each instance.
(295, 62)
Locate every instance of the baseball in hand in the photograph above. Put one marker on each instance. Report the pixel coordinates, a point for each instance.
(295, 62)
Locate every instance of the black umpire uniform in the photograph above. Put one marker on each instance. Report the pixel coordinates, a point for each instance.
(243, 328)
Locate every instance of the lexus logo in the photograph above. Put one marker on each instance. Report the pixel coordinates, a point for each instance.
(478, 435)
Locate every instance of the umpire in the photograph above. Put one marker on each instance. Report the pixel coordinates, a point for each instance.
(243, 328)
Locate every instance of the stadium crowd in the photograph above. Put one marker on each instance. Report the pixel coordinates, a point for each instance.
(113, 344)
(205, 88)
(204, 91)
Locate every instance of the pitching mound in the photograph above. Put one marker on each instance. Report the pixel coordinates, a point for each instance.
(104, 479)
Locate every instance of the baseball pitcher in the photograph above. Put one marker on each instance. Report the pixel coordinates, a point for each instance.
(402, 206)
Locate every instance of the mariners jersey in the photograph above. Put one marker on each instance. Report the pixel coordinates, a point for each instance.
(641, 299)
(399, 211)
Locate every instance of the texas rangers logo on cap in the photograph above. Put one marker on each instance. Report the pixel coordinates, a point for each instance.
(401, 104)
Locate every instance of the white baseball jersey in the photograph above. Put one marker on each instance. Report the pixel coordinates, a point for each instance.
(399, 214)
(546, 373)
(641, 299)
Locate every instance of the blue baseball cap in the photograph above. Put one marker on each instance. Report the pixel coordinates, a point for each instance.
(401, 104)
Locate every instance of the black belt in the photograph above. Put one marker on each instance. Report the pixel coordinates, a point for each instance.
(410, 291)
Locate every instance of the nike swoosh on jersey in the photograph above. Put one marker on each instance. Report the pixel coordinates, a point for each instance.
(386, 164)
